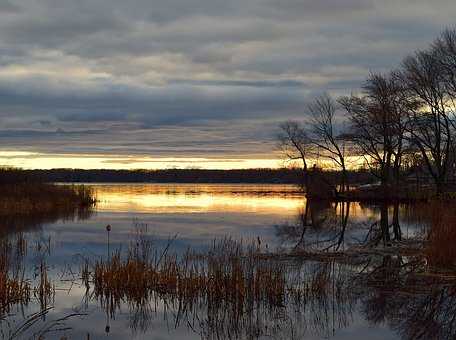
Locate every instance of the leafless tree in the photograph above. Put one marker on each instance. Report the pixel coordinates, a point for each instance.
(410, 113)
(444, 48)
(326, 135)
(378, 125)
(431, 119)
(295, 144)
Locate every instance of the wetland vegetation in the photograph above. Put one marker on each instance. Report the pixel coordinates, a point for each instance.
(320, 272)
(26, 195)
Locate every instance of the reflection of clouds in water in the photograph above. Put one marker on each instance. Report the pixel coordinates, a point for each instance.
(90, 238)
(197, 214)
(127, 322)
(94, 323)
(169, 198)
(158, 329)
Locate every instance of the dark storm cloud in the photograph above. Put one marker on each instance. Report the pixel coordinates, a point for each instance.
(8, 7)
(160, 105)
(53, 32)
(194, 77)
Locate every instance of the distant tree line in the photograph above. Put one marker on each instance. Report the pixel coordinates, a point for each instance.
(402, 123)
(254, 176)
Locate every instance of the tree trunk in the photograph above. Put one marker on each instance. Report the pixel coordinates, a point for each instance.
(384, 224)
(396, 226)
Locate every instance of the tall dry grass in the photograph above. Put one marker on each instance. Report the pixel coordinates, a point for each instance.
(14, 288)
(36, 197)
(230, 291)
(227, 274)
(440, 249)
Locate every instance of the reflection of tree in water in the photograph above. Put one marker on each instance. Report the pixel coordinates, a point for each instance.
(322, 295)
(320, 223)
(379, 232)
(415, 306)
(324, 225)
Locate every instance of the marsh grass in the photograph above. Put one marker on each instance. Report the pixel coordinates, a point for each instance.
(235, 290)
(440, 250)
(36, 197)
(229, 291)
(16, 288)
(44, 291)
(225, 274)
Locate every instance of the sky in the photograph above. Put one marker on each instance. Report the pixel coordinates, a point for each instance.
(186, 83)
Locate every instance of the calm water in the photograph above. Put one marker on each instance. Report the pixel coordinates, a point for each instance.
(193, 216)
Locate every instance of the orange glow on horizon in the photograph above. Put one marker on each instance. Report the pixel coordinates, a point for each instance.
(192, 198)
(35, 160)
(32, 160)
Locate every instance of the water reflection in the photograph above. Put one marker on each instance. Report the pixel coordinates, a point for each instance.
(323, 300)
(416, 306)
(278, 214)
(191, 198)
(376, 295)
(29, 222)
(231, 294)
(334, 226)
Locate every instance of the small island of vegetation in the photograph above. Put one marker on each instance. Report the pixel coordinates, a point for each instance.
(25, 194)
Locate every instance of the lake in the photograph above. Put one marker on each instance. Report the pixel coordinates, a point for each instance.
(273, 217)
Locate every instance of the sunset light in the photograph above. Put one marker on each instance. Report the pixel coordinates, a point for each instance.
(227, 169)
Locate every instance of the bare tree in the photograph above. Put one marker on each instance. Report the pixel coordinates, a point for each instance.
(444, 48)
(378, 126)
(409, 112)
(294, 143)
(432, 117)
(325, 134)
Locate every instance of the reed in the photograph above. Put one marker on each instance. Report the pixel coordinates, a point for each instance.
(35, 197)
(230, 291)
(440, 250)
(44, 292)
(226, 274)
(14, 288)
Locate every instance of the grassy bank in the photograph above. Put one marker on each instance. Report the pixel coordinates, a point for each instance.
(35, 197)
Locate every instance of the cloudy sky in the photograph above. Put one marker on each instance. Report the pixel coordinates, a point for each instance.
(179, 83)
